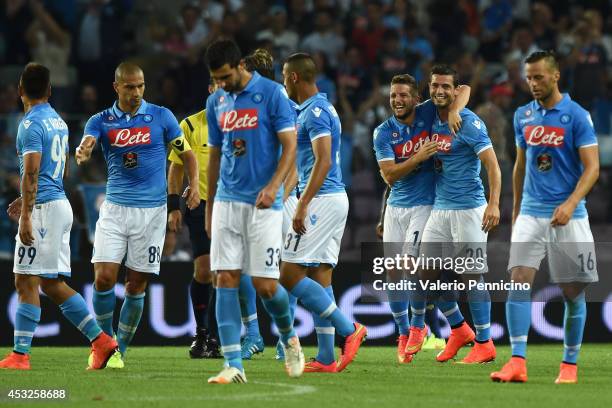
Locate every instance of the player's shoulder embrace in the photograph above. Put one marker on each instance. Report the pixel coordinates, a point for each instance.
(472, 121)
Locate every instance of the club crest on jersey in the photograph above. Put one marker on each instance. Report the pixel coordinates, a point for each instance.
(130, 136)
(528, 112)
(257, 97)
(395, 134)
(147, 118)
(565, 118)
(241, 119)
(130, 160)
(545, 162)
(239, 147)
(546, 136)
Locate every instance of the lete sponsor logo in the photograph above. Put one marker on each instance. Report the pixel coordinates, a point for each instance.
(444, 142)
(130, 137)
(548, 136)
(405, 150)
(241, 119)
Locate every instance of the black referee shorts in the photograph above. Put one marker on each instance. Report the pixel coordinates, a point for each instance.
(200, 243)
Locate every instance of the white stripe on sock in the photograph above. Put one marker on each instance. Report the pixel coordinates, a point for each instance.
(577, 347)
(450, 312)
(329, 310)
(518, 339)
(230, 348)
(417, 311)
(400, 314)
(249, 318)
(105, 316)
(126, 328)
(84, 322)
(482, 326)
(325, 330)
(21, 333)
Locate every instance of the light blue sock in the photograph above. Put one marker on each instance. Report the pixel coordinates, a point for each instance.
(325, 334)
(248, 306)
(292, 305)
(518, 316)
(26, 320)
(278, 308)
(418, 306)
(480, 308)
(313, 297)
(130, 315)
(228, 322)
(400, 315)
(75, 310)
(574, 320)
(104, 308)
(452, 312)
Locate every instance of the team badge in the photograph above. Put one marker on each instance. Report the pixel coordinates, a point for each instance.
(544, 162)
(565, 118)
(130, 160)
(148, 118)
(395, 134)
(239, 146)
(528, 112)
(257, 97)
(221, 99)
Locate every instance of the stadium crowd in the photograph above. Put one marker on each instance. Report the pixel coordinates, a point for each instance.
(358, 46)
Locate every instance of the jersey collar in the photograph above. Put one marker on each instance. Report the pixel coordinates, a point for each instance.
(310, 100)
(119, 114)
(37, 107)
(565, 100)
(251, 84)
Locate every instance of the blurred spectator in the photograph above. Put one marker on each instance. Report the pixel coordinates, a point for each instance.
(354, 77)
(496, 24)
(324, 39)
(324, 80)
(368, 31)
(494, 112)
(397, 15)
(49, 42)
(301, 19)
(15, 18)
(391, 59)
(542, 26)
(522, 46)
(447, 25)
(195, 30)
(419, 50)
(284, 40)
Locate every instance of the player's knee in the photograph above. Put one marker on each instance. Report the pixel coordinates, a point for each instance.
(104, 281)
(135, 287)
(523, 274)
(265, 288)
(201, 272)
(572, 292)
(226, 279)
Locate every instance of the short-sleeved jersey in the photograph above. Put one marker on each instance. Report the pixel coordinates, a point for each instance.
(457, 165)
(294, 190)
(135, 149)
(396, 141)
(318, 118)
(42, 130)
(195, 129)
(551, 139)
(245, 127)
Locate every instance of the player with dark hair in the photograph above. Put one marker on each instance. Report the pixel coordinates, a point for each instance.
(250, 119)
(404, 146)
(134, 136)
(557, 164)
(42, 250)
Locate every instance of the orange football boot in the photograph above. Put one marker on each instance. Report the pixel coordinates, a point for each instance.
(459, 337)
(315, 366)
(568, 374)
(480, 353)
(514, 370)
(416, 339)
(16, 361)
(351, 346)
(102, 348)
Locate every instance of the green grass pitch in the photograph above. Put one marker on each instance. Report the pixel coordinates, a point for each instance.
(165, 376)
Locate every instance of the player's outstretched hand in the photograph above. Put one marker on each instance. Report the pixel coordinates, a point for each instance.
(454, 122)
(25, 231)
(192, 197)
(299, 223)
(14, 209)
(562, 214)
(427, 150)
(265, 198)
(82, 155)
(490, 218)
(175, 220)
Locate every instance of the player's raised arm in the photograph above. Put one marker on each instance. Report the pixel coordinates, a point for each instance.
(491, 214)
(29, 188)
(460, 102)
(394, 171)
